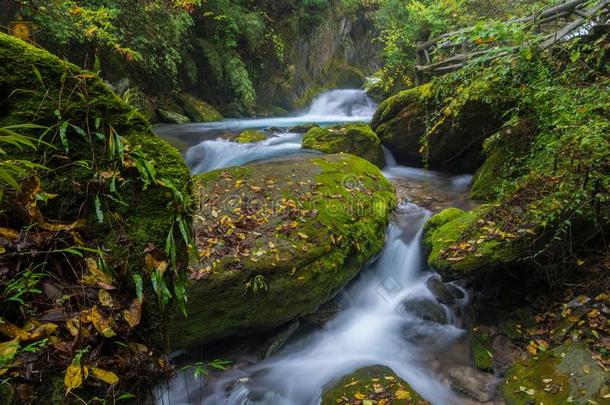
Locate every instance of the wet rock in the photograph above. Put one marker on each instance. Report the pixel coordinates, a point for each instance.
(327, 312)
(301, 129)
(566, 374)
(371, 385)
(445, 293)
(170, 117)
(505, 353)
(480, 342)
(278, 341)
(475, 384)
(425, 309)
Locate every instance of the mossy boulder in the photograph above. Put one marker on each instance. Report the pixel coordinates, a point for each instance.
(375, 384)
(465, 245)
(566, 374)
(455, 145)
(356, 139)
(172, 117)
(251, 136)
(278, 239)
(198, 110)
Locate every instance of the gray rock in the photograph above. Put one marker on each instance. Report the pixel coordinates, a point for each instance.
(170, 117)
(473, 383)
(446, 294)
(425, 309)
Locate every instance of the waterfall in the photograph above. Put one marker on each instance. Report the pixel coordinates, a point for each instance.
(370, 330)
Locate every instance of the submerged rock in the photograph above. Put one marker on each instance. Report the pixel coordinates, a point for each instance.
(371, 385)
(278, 239)
(356, 139)
(566, 374)
(301, 129)
(456, 144)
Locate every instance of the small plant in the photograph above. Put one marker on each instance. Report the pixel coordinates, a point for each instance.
(257, 284)
(203, 369)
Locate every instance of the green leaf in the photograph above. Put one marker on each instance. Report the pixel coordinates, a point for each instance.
(98, 210)
(62, 134)
(37, 74)
(137, 279)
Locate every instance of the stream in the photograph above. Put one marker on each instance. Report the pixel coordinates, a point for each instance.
(378, 322)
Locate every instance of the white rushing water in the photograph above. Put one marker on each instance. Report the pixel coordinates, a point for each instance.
(372, 327)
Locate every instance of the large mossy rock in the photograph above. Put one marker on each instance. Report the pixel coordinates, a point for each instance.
(355, 139)
(279, 239)
(375, 384)
(251, 136)
(198, 110)
(566, 374)
(455, 145)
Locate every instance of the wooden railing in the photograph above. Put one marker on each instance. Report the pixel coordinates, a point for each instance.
(446, 53)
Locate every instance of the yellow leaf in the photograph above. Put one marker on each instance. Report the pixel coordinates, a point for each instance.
(8, 350)
(303, 236)
(100, 323)
(359, 396)
(96, 276)
(105, 298)
(106, 376)
(402, 394)
(74, 376)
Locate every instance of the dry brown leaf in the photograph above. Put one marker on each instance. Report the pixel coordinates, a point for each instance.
(105, 298)
(134, 314)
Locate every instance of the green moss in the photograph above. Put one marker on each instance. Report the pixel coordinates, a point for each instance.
(250, 136)
(355, 139)
(566, 374)
(373, 384)
(481, 350)
(340, 206)
(488, 177)
(198, 110)
(461, 247)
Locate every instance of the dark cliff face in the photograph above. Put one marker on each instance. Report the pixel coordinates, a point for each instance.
(338, 53)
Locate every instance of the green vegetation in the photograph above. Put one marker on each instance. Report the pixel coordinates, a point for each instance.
(93, 225)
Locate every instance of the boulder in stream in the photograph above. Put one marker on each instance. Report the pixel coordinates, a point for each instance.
(357, 139)
(198, 110)
(371, 385)
(456, 144)
(251, 136)
(445, 293)
(278, 239)
(425, 309)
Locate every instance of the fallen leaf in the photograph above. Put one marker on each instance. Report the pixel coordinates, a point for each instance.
(74, 376)
(100, 323)
(402, 394)
(105, 298)
(134, 314)
(106, 376)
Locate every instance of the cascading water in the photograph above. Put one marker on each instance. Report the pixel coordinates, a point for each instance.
(377, 324)
(373, 328)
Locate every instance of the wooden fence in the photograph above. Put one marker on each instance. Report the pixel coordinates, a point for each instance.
(451, 51)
